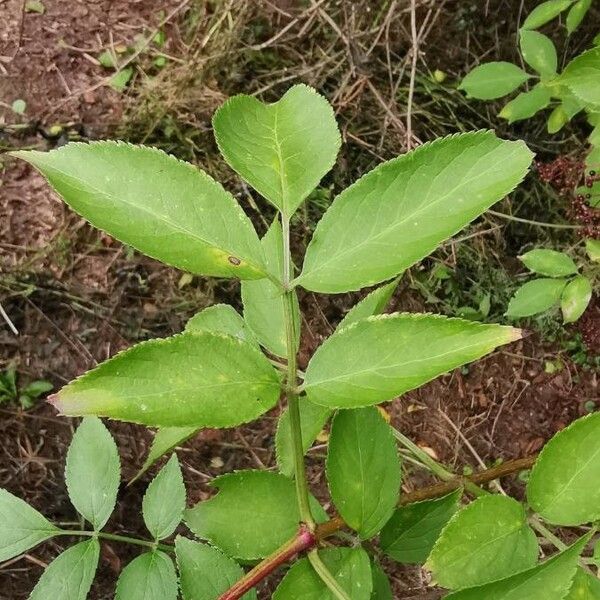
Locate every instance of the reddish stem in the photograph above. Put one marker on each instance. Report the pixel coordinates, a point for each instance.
(305, 540)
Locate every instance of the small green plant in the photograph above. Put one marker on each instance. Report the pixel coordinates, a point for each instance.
(11, 392)
(226, 369)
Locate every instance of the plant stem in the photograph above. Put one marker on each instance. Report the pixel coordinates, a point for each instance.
(530, 222)
(118, 538)
(291, 384)
(326, 577)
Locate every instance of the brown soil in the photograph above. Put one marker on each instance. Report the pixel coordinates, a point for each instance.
(77, 296)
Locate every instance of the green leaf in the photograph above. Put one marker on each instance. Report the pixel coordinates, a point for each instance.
(535, 297)
(200, 380)
(362, 364)
(577, 14)
(585, 586)
(264, 302)
(582, 77)
(93, 472)
(493, 80)
(557, 120)
(21, 526)
(161, 206)
(35, 6)
(205, 573)
(549, 262)
(70, 575)
(220, 318)
(349, 566)
(251, 516)
(398, 213)
(164, 441)
(36, 388)
(150, 576)
(121, 78)
(592, 247)
(312, 420)
(539, 52)
(526, 104)
(372, 304)
(409, 536)
(564, 485)
(363, 469)
(107, 59)
(549, 580)
(575, 298)
(164, 501)
(486, 540)
(382, 590)
(544, 12)
(282, 149)
(19, 106)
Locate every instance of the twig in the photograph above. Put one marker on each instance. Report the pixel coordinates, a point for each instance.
(8, 321)
(413, 72)
(529, 222)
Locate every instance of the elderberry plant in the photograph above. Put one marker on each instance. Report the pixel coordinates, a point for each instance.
(226, 369)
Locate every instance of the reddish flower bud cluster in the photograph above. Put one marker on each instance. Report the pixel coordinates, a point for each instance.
(589, 326)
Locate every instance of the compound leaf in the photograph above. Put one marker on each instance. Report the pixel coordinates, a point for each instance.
(549, 580)
(220, 318)
(164, 207)
(564, 486)
(535, 297)
(409, 536)
(363, 469)
(575, 298)
(282, 149)
(21, 526)
(202, 380)
(252, 515)
(312, 420)
(582, 77)
(380, 358)
(205, 572)
(487, 540)
(150, 576)
(544, 12)
(264, 302)
(549, 262)
(164, 500)
(165, 439)
(373, 303)
(350, 567)
(577, 14)
(539, 52)
(69, 576)
(493, 80)
(93, 472)
(527, 104)
(399, 212)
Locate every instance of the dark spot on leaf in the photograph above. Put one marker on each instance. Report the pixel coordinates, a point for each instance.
(234, 260)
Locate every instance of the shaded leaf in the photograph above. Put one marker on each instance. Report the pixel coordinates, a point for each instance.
(493, 80)
(282, 149)
(403, 209)
(538, 52)
(264, 302)
(585, 586)
(575, 298)
(535, 297)
(592, 248)
(363, 469)
(201, 380)
(544, 12)
(313, 418)
(564, 485)
(205, 572)
(220, 318)
(362, 365)
(372, 304)
(164, 500)
(251, 516)
(382, 590)
(549, 262)
(93, 472)
(486, 540)
(21, 526)
(69, 576)
(150, 576)
(409, 536)
(577, 14)
(162, 206)
(349, 566)
(527, 104)
(121, 78)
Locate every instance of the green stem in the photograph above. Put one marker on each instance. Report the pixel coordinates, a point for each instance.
(326, 577)
(118, 538)
(530, 222)
(291, 384)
